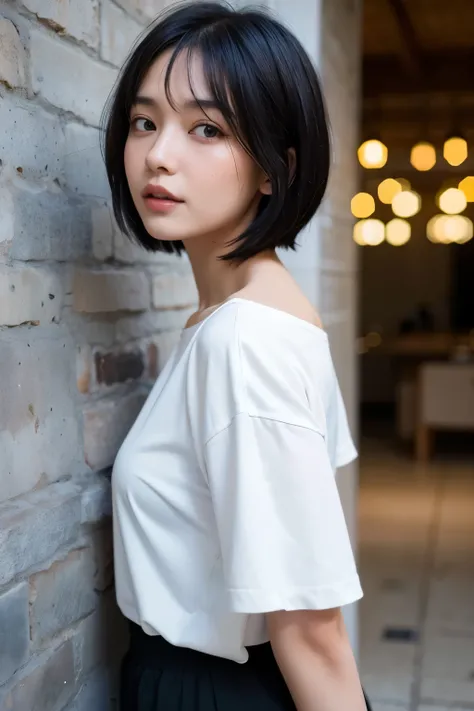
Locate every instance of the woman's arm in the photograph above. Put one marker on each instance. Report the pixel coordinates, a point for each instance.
(313, 652)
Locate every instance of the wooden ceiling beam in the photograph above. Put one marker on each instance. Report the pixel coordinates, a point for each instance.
(448, 73)
(411, 53)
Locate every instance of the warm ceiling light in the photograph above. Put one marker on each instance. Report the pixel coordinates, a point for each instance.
(358, 233)
(458, 228)
(362, 205)
(397, 232)
(372, 154)
(446, 229)
(467, 186)
(388, 189)
(406, 204)
(455, 150)
(434, 229)
(423, 156)
(369, 232)
(452, 201)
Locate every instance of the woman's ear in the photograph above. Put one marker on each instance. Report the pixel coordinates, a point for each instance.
(266, 186)
(291, 164)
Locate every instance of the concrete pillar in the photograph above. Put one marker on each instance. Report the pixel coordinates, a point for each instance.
(325, 265)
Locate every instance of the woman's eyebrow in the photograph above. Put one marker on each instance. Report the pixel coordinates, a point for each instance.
(201, 104)
(142, 100)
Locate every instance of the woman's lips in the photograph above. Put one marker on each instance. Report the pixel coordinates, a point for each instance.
(161, 205)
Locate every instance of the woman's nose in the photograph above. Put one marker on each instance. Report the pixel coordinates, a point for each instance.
(163, 155)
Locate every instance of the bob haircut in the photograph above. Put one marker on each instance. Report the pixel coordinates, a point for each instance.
(266, 87)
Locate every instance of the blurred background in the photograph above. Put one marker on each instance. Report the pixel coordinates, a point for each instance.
(88, 320)
(414, 215)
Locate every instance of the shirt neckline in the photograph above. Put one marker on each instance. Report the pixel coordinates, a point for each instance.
(257, 304)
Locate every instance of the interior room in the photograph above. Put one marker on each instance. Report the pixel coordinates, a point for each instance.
(414, 226)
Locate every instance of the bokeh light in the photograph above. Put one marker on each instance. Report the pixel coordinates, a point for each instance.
(369, 233)
(387, 190)
(455, 150)
(397, 232)
(362, 205)
(406, 204)
(452, 201)
(423, 156)
(467, 186)
(372, 154)
(448, 229)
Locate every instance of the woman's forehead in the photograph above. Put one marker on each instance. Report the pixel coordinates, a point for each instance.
(187, 71)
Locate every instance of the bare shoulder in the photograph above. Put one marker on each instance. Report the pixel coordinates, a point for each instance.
(289, 299)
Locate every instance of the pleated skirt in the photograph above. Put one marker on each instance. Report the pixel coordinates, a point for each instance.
(157, 676)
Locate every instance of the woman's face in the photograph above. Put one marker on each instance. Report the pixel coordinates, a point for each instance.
(216, 185)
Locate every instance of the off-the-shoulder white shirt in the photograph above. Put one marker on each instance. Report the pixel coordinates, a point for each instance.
(224, 497)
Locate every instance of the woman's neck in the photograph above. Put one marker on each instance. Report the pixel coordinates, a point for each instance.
(218, 280)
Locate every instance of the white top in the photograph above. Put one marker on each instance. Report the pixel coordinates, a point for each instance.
(224, 497)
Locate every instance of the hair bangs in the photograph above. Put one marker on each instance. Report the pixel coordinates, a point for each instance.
(262, 81)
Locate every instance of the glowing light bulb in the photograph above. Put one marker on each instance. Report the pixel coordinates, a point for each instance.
(446, 229)
(388, 189)
(467, 186)
(406, 204)
(452, 201)
(455, 150)
(397, 232)
(423, 156)
(362, 205)
(372, 154)
(369, 232)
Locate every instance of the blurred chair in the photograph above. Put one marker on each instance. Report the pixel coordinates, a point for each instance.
(445, 401)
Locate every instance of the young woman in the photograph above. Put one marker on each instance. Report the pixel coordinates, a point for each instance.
(232, 556)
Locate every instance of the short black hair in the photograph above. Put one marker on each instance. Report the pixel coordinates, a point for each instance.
(267, 89)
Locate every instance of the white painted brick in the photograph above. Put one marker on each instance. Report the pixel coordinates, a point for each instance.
(110, 290)
(105, 426)
(150, 323)
(118, 33)
(12, 56)
(33, 528)
(165, 343)
(39, 431)
(25, 295)
(68, 78)
(84, 169)
(33, 140)
(102, 636)
(174, 290)
(96, 500)
(129, 252)
(77, 18)
(102, 232)
(14, 627)
(47, 224)
(96, 693)
(84, 364)
(62, 595)
(7, 221)
(148, 9)
(47, 682)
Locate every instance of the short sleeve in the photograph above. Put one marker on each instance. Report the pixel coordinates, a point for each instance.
(346, 451)
(283, 536)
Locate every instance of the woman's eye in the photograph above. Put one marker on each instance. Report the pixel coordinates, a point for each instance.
(207, 130)
(143, 124)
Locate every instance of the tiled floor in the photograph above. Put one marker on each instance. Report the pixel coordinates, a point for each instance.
(416, 558)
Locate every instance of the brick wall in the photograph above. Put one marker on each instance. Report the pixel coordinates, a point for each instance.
(86, 322)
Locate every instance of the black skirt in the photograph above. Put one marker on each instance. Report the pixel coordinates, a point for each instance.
(157, 676)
